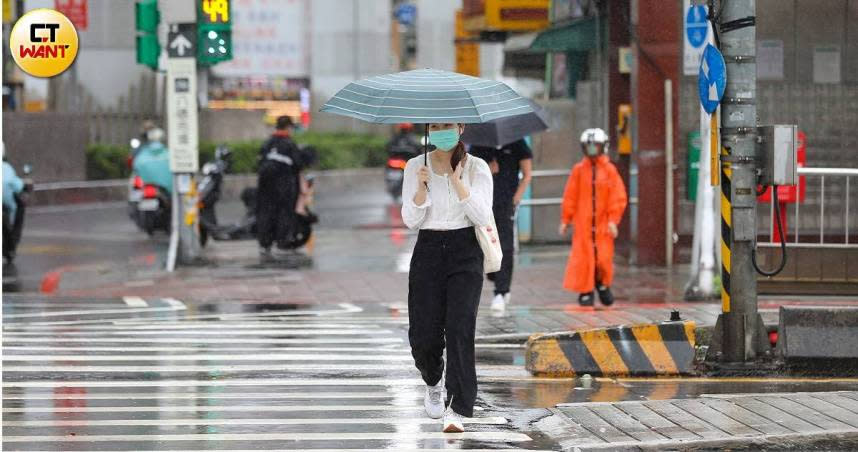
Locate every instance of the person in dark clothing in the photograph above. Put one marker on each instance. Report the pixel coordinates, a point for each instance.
(277, 193)
(505, 163)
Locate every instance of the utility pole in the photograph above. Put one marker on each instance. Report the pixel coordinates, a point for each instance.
(182, 128)
(742, 334)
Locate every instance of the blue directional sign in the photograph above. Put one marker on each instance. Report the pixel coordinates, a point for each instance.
(696, 25)
(406, 14)
(712, 78)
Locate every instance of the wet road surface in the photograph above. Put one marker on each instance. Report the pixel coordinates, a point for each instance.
(158, 374)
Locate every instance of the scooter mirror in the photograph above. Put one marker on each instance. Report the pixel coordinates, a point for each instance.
(27, 169)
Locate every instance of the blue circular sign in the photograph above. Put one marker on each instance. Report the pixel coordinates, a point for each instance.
(711, 79)
(696, 25)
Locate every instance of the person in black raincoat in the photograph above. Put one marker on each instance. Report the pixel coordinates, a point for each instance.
(279, 169)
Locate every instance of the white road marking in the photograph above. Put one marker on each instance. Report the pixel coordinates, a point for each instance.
(224, 382)
(203, 348)
(213, 368)
(497, 420)
(198, 326)
(209, 396)
(214, 357)
(169, 321)
(254, 437)
(60, 348)
(88, 312)
(207, 340)
(216, 408)
(176, 304)
(267, 332)
(135, 302)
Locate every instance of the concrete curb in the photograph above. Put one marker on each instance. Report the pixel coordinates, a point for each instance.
(661, 349)
(80, 192)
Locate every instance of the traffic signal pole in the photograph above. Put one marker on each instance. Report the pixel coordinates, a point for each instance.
(740, 334)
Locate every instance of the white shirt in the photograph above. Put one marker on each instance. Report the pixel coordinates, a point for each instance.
(442, 209)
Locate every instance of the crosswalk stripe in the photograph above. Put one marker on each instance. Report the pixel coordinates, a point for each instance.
(89, 312)
(218, 367)
(238, 395)
(208, 340)
(213, 408)
(221, 382)
(135, 302)
(176, 304)
(386, 348)
(200, 326)
(494, 420)
(278, 332)
(307, 436)
(206, 357)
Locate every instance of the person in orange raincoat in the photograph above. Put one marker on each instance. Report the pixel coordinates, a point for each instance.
(593, 185)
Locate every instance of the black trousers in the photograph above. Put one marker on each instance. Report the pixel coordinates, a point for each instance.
(275, 206)
(444, 287)
(504, 219)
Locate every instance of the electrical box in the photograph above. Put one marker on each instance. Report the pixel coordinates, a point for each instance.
(776, 152)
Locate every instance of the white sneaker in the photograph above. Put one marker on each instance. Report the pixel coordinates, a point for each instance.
(453, 422)
(506, 298)
(498, 303)
(433, 401)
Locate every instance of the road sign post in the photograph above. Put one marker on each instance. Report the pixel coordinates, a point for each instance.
(739, 333)
(183, 141)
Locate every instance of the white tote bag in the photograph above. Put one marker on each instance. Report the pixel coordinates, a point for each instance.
(488, 238)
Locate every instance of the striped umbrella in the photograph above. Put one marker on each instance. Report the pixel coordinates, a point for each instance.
(427, 96)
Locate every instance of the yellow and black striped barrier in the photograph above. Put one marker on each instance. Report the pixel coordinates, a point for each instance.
(726, 232)
(639, 350)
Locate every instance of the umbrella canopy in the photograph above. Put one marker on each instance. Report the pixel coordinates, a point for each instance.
(427, 96)
(501, 131)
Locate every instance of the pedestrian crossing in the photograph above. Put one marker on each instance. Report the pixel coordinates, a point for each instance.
(159, 374)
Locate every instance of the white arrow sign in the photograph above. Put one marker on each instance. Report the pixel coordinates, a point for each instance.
(181, 43)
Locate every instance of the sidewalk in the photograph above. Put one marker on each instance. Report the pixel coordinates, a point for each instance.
(713, 421)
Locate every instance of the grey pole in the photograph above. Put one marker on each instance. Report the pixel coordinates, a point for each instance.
(743, 334)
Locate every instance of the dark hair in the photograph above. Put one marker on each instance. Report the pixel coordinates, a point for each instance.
(458, 155)
(283, 122)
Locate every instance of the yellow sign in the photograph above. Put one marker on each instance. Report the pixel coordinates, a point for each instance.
(467, 51)
(44, 43)
(510, 15)
(624, 129)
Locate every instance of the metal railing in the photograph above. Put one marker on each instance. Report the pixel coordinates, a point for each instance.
(794, 234)
(545, 201)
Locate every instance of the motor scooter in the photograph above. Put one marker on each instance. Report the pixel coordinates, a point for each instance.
(13, 226)
(210, 189)
(400, 149)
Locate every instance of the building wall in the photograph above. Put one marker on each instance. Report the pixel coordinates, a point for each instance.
(53, 143)
(349, 40)
(436, 22)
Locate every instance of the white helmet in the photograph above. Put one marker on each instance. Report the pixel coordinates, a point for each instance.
(594, 142)
(155, 134)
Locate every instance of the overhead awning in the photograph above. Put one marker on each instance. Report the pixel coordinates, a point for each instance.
(520, 42)
(579, 35)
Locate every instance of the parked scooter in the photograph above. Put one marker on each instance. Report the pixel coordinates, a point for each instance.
(210, 189)
(13, 226)
(402, 147)
(152, 177)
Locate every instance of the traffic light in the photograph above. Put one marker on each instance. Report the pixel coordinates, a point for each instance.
(146, 19)
(214, 31)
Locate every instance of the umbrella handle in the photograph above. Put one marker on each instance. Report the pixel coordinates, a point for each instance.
(426, 149)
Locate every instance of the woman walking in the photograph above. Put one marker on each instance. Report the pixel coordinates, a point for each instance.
(445, 200)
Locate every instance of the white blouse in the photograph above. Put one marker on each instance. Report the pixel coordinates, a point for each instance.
(442, 209)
